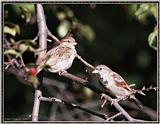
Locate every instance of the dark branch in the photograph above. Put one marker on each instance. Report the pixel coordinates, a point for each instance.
(53, 99)
(114, 116)
(99, 92)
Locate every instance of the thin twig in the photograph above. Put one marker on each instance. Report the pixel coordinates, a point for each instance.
(34, 40)
(118, 107)
(137, 91)
(53, 37)
(53, 99)
(114, 116)
(86, 63)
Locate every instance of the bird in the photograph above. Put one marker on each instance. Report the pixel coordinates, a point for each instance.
(115, 84)
(61, 57)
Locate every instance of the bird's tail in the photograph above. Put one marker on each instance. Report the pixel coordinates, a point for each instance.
(137, 102)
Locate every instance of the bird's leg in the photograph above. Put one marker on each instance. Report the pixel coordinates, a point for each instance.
(61, 72)
(115, 101)
(105, 100)
(119, 99)
(103, 96)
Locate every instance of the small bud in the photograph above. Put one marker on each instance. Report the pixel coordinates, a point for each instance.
(155, 88)
(32, 71)
(143, 88)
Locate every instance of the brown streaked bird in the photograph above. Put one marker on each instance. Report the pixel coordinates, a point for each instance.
(61, 57)
(113, 82)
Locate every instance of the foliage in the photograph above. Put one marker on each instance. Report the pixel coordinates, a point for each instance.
(142, 11)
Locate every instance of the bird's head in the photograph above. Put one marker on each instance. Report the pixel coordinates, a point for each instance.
(101, 69)
(68, 41)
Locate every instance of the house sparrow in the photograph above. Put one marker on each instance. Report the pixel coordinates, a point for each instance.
(61, 57)
(113, 82)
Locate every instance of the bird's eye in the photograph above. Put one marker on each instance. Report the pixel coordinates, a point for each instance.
(100, 68)
(68, 41)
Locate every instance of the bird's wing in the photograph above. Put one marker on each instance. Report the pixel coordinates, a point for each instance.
(120, 82)
(58, 54)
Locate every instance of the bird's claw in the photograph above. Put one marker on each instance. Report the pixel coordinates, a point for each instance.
(61, 72)
(79, 57)
(102, 96)
(104, 102)
(114, 101)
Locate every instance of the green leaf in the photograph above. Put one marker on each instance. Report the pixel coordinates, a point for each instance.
(133, 8)
(154, 11)
(17, 27)
(69, 12)
(23, 47)
(88, 32)
(26, 44)
(9, 30)
(12, 29)
(30, 7)
(143, 8)
(87, 92)
(142, 18)
(152, 39)
(61, 16)
(26, 14)
(12, 52)
(63, 28)
(32, 49)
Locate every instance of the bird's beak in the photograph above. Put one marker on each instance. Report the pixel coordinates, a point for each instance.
(75, 43)
(95, 71)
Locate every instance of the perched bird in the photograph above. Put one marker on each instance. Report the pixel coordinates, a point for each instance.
(61, 57)
(116, 85)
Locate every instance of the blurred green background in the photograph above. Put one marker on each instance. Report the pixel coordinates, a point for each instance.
(122, 36)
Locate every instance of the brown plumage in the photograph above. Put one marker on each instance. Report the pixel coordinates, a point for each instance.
(113, 82)
(61, 57)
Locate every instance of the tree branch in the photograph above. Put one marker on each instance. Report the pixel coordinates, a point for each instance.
(42, 34)
(114, 116)
(52, 36)
(99, 92)
(53, 99)
(84, 62)
(36, 105)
